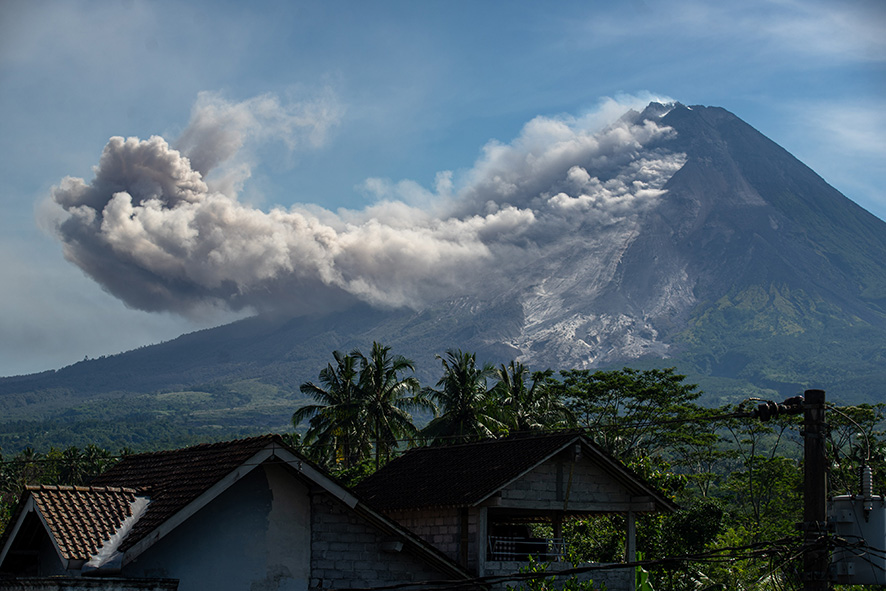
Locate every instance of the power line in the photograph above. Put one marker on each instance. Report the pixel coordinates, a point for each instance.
(757, 550)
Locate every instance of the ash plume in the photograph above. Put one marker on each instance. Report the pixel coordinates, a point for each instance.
(153, 231)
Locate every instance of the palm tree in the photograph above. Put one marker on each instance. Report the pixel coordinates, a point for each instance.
(386, 398)
(335, 431)
(531, 408)
(73, 467)
(468, 406)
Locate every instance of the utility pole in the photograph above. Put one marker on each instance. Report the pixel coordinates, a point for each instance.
(815, 551)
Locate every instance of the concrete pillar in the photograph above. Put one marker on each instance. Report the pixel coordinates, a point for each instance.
(631, 546)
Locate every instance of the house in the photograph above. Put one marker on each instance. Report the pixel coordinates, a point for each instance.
(254, 514)
(250, 514)
(475, 501)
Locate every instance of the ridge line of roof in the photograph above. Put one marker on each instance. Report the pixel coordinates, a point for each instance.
(77, 488)
(511, 437)
(268, 437)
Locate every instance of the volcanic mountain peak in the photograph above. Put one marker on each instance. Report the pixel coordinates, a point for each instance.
(697, 242)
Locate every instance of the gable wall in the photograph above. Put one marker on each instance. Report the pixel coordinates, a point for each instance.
(549, 484)
(253, 536)
(38, 557)
(348, 552)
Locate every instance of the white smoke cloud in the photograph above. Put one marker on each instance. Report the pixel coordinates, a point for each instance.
(153, 232)
(219, 129)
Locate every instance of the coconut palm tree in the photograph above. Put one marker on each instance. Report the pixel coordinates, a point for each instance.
(467, 409)
(336, 431)
(387, 397)
(533, 407)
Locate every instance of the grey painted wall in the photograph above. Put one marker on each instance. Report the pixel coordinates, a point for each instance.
(254, 536)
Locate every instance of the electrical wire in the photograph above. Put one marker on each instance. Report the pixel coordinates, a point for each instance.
(721, 555)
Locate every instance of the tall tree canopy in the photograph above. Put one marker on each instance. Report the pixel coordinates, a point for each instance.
(335, 429)
(533, 407)
(629, 412)
(363, 404)
(467, 408)
(387, 396)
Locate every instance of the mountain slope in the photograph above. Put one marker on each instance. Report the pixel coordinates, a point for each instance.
(790, 275)
(747, 271)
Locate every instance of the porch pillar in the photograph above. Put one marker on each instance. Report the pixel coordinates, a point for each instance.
(557, 523)
(464, 537)
(482, 540)
(631, 545)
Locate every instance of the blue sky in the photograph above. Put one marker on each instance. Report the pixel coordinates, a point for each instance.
(345, 104)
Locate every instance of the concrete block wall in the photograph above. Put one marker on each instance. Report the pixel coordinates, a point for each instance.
(438, 527)
(441, 527)
(347, 552)
(549, 482)
(617, 578)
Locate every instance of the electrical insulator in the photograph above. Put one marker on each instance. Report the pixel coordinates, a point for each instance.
(769, 409)
(867, 487)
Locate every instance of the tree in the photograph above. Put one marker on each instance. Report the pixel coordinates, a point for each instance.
(630, 412)
(386, 398)
(765, 488)
(467, 407)
(856, 439)
(69, 467)
(536, 407)
(336, 424)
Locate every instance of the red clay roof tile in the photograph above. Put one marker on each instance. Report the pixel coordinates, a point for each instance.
(82, 518)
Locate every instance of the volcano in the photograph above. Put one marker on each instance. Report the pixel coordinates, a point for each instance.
(744, 269)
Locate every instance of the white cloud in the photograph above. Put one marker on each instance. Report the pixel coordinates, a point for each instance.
(219, 129)
(838, 32)
(844, 142)
(850, 31)
(154, 234)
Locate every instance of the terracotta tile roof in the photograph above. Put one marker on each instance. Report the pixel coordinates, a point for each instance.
(172, 479)
(457, 475)
(81, 518)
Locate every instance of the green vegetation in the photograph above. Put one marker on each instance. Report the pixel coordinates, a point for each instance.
(364, 406)
(736, 479)
(70, 466)
(467, 408)
(778, 341)
(160, 420)
(535, 580)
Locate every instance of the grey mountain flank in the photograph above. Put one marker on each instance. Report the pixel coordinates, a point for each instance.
(736, 263)
(742, 225)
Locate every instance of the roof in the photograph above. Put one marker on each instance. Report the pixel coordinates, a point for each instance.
(177, 484)
(173, 479)
(82, 518)
(467, 474)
